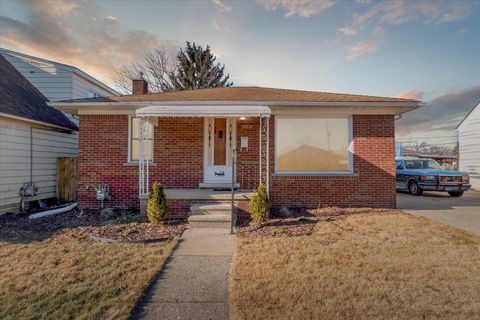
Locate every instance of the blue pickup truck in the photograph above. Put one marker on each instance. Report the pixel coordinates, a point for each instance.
(418, 174)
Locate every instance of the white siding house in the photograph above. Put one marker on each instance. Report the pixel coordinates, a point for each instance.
(55, 80)
(33, 135)
(28, 152)
(469, 145)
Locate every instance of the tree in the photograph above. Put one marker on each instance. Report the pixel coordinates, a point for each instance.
(159, 67)
(456, 149)
(190, 68)
(426, 148)
(197, 69)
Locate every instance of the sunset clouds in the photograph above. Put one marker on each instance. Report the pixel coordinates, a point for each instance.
(439, 116)
(77, 33)
(425, 49)
(401, 11)
(302, 8)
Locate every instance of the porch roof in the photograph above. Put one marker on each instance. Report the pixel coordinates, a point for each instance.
(204, 111)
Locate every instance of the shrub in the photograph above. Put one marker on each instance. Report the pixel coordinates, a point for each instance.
(157, 204)
(260, 205)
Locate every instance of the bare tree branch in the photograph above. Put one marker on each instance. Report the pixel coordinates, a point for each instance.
(157, 70)
(191, 68)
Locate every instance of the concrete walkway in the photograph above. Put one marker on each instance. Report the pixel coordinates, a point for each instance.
(194, 282)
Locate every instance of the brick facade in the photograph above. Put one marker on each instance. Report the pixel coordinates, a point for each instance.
(178, 163)
(103, 157)
(372, 183)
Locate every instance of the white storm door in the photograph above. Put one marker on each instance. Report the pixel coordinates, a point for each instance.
(219, 142)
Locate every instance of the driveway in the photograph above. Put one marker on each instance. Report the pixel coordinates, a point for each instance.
(462, 212)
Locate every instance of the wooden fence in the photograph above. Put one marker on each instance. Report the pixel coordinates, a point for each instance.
(67, 179)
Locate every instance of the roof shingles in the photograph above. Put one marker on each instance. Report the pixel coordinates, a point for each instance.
(253, 94)
(18, 97)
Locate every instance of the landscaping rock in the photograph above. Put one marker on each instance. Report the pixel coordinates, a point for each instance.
(137, 232)
(106, 213)
(285, 212)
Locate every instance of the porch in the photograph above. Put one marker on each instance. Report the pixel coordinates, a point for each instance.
(207, 194)
(204, 194)
(232, 156)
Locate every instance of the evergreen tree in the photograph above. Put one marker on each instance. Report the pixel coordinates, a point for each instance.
(197, 69)
(157, 204)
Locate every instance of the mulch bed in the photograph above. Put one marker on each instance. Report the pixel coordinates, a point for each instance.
(121, 224)
(137, 232)
(303, 221)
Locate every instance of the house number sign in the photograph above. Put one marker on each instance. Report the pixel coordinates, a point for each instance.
(247, 126)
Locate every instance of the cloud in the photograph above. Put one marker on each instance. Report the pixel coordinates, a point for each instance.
(442, 114)
(348, 30)
(302, 8)
(219, 19)
(76, 33)
(402, 11)
(415, 95)
(362, 47)
(216, 23)
(222, 6)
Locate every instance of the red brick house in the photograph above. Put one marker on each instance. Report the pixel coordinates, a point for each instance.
(309, 148)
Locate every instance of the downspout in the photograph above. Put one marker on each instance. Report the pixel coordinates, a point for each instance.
(31, 155)
(53, 211)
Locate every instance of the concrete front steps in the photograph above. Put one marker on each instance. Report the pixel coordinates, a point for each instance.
(212, 214)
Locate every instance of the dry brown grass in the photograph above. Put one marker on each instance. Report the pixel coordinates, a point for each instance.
(70, 276)
(394, 266)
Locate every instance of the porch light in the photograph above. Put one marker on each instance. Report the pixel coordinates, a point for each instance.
(243, 118)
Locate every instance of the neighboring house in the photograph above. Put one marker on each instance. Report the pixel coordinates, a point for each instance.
(55, 80)
(32, 136)
(469, 146)
(310, 149)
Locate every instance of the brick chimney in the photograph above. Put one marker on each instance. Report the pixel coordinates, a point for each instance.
(139, 86)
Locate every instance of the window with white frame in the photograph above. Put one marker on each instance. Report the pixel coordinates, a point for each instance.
(93, 94)
(313, 144)
(134, 143)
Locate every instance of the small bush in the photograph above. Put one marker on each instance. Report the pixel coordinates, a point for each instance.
(260, 205)
(157, 204)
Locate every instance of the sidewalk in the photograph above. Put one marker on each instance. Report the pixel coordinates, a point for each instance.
(194, 282)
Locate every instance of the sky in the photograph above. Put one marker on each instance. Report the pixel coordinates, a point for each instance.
(426, 50)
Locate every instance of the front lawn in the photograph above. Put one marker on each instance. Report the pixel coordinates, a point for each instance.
(55, 271)
(367, 265)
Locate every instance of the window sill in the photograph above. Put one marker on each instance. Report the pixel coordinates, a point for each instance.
(150, 164)
(309, 174)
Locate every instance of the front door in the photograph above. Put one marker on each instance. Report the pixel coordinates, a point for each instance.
(219, 143)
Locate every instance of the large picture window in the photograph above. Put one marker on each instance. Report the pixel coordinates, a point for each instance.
(134, 143)
(312, 144)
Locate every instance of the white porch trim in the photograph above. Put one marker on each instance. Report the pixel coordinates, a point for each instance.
(151, 114)
(204, 111)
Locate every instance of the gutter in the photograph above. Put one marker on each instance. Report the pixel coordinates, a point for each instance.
(6, 115)
(140, 104)
(52, 212)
